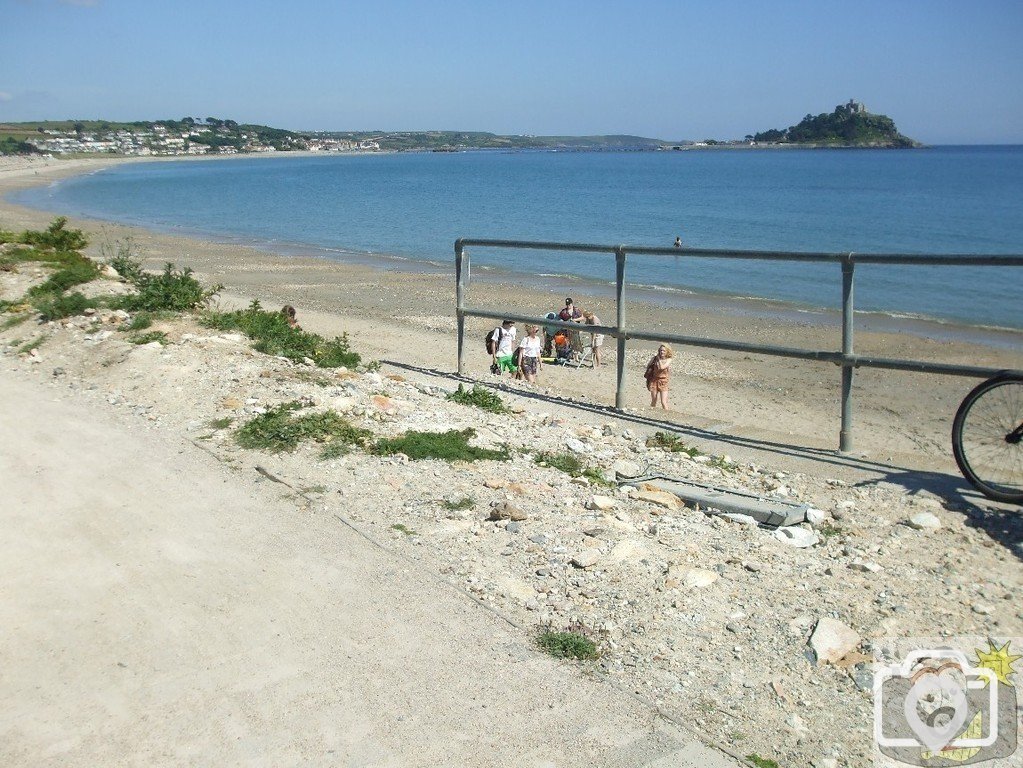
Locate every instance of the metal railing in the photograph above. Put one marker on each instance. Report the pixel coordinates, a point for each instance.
(846, 357)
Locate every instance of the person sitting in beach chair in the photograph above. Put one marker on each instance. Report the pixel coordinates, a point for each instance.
(562, 348)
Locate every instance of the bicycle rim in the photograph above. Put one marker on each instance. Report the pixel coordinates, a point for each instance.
(991, 463)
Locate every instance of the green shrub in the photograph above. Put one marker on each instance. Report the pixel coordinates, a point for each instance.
(173, 289)
(57, 306)
(480, 397)
(761, 762)
(452, 445)
(273, 336)
(458, 505)
(567, 645)
(57, 236)
(278, 430)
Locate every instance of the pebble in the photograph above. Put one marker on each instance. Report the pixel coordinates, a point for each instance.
(924, 521)
(796, 537)
(586, 559)
(832, 640)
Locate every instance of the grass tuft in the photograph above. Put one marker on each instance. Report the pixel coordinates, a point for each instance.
(401, 528)
(452, 445)
(459, 505)
(480, 397)
(279, 430)
(672, 443)
(147, 338)
(567, 645)
(761, 762)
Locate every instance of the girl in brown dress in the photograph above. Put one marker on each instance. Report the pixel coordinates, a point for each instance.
(658, 373)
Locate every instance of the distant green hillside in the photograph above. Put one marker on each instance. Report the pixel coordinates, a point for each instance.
(456, 140)
(850, 125)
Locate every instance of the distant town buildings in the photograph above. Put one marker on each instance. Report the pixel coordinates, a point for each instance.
(192, 138)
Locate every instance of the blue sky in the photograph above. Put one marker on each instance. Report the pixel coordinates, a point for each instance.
(946, 72)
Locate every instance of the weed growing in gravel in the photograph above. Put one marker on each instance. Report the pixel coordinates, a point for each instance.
(565, 462)
(567, 645)
(480, 397)
(596, 477)
(123, 256)
(222, 423)
(147, 338)
(459, 505)
(452, 445)
(140, 322)
(30, 345)
(672, 443)
(11, 322)
(570, 464)
(278, 430)
(401, 528)
(274, 336)
(761, 762)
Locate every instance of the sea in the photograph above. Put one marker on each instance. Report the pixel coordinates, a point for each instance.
(405, 211)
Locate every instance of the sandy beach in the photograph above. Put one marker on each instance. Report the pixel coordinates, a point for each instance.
(717, 628)
(752, 403)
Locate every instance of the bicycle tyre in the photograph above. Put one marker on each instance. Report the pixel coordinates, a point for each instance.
(985, 438)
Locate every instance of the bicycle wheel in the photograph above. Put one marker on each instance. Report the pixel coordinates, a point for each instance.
(986, 438)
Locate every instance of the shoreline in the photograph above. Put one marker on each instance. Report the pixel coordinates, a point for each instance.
(405, 315)
(675, 298)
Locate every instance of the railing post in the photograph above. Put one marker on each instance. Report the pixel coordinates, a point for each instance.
(460, 304)
(620, 299)
(845, 441)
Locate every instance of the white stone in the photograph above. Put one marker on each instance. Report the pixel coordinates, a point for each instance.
(586, 559)
(815, 516)
(577, 446)
(924, 521)
(699, 577)
(832, 640)
(796, 537)
(626, 468)
(601, 503)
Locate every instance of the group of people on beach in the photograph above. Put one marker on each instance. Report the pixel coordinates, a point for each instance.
(555, 343)
(558, 344)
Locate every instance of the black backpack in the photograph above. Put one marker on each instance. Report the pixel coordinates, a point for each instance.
(492, 342)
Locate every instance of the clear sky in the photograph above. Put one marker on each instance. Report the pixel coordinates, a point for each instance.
(945, 71)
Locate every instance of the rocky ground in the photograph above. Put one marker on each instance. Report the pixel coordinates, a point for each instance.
(757, 644)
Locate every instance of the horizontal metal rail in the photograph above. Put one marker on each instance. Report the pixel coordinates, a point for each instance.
(845, 357)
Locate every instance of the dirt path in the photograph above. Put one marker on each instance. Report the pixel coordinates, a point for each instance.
(161, 609)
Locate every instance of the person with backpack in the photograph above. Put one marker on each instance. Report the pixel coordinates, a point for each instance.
(500, 343)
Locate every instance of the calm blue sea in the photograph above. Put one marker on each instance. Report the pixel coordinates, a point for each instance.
(414, 206)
